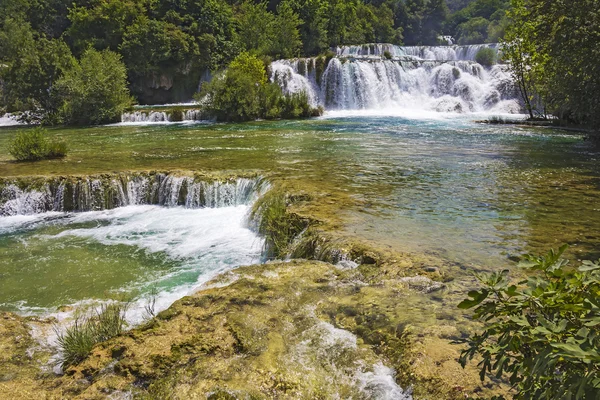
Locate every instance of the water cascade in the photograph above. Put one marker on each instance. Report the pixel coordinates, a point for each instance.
(162, 116)
(112, 191)
(435, 53)
(443, 79)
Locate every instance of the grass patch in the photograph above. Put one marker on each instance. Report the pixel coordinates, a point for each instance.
(33, 145)
(77, 341)
(275, 223)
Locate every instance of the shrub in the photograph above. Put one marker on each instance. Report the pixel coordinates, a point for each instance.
(33, 146)
(77, 341)
(486, 56)
(543, 332)
(94, 91)
(176, 115)
(243, 93)
(387, 55)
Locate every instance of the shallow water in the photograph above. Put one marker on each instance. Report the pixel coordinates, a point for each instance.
(56, 259)
(435, 183)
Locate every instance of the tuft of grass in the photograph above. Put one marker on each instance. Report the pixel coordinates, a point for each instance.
(77, 342)
(486, 57)
(33, 146)
(275, 223)
(387, 55)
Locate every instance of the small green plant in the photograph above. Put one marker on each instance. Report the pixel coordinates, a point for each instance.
(77, 341)
(150, 306)
(387, 55)
(456, 73)
(486, 56)
(176, 115)
(33, 146)
(275, 223)
(543, 333)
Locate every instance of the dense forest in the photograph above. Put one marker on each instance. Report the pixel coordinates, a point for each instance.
(168, 45)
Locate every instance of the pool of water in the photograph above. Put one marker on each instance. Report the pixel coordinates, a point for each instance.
(472, 193)
(60, 259)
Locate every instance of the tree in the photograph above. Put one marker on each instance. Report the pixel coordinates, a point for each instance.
(313, 30)
(152, 49)
(94, 91)
(543, 332)
(565, 43)
(256, 27)
(102, 23)
(286, 41)
(243, 93)
(31, 68)
(436, 12)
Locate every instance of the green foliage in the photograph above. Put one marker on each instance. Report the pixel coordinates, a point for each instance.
(543, 332)
(486, 56)
(561, 45)
(278, 226)
(94, 91)
(168, 46)
(78, 340)
(243, 93)
(387, 55)
(33, 146)
(480, 21)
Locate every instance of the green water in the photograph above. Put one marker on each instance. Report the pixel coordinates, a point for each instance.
(471, 193)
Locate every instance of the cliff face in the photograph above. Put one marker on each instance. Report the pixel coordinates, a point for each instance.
(169, 86)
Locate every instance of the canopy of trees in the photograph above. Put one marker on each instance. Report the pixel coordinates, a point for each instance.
(554, 47)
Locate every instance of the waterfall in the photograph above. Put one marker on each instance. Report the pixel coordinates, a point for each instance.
(436, 53)
(443, 79)
(162, 116)
(112, 191)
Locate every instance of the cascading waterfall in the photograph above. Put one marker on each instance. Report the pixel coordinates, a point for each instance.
(436, 53)
(443, 79)
(108, 192)
(162, 116)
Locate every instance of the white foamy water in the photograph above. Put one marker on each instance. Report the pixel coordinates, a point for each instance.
(8, 120)
(443, 79)
(197, 243)
(327, 345)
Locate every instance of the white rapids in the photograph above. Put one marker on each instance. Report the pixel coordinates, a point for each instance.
(441, 79)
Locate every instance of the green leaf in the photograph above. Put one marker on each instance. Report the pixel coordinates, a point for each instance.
(477, 298)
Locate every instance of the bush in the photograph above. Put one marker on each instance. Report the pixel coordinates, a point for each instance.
(486, 56)
(176, 115)
(33, 146)
(543, 332)
(94, 91)
(387, 55)
(77, 342)
(243, 93)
